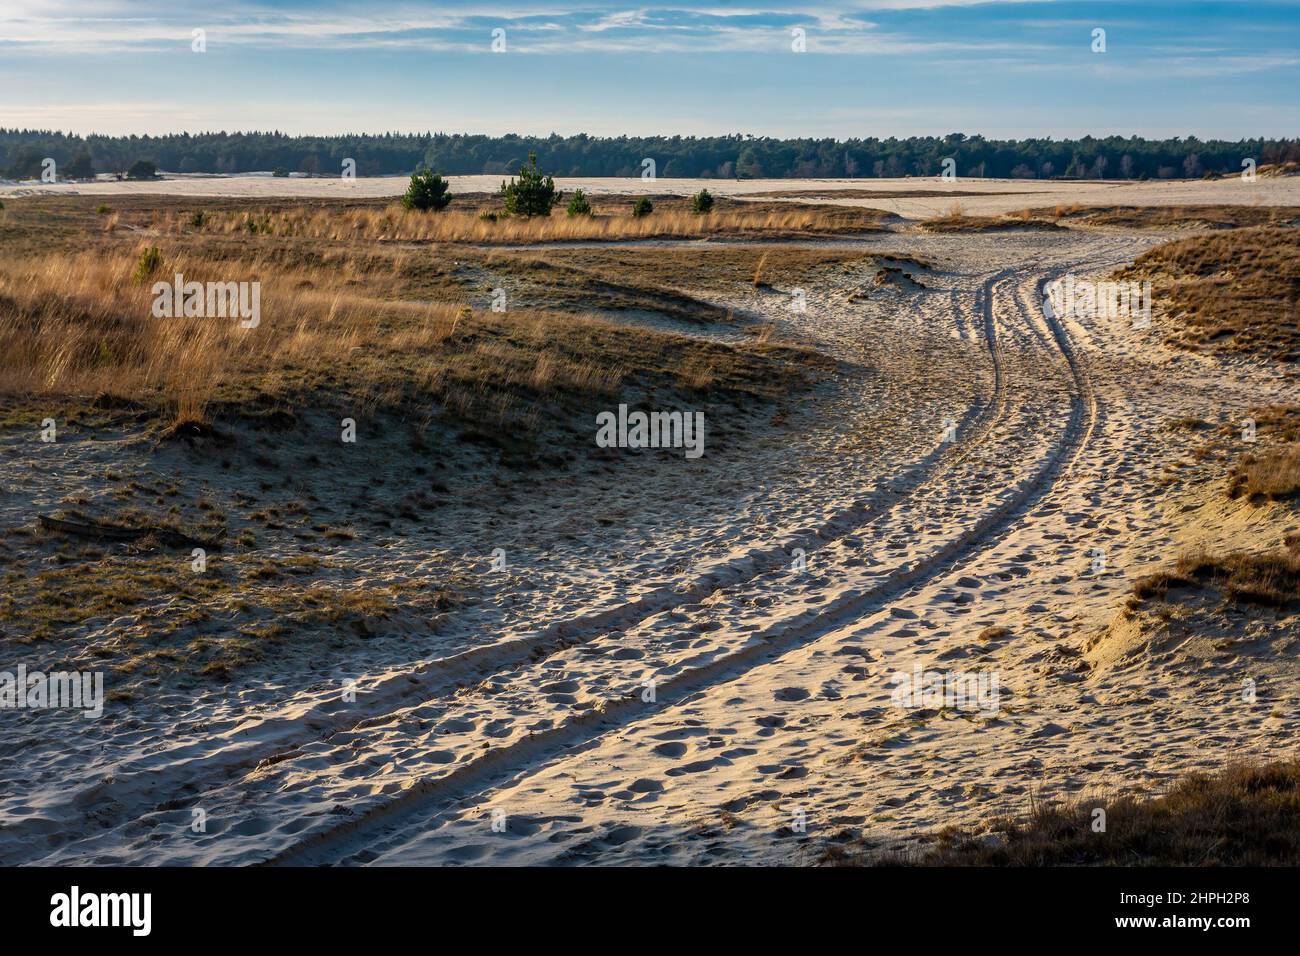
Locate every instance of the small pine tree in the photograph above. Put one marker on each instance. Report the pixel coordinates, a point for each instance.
(578, 205)
(702, 202)
(427, 191)
(150, 262)
(530, 193)
(642, 207)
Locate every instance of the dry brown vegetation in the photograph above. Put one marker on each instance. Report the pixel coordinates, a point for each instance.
(1270, 579)
(1257, 473)
(1259, 578)
(1167, 217)
(1272, 475)
(1271, 472)
(955, 219)
(1124, 217)
(238, 423)
(883, 193)
(83, 325)
(1248, 815)
(379, 326)
(716, 265)
(172, 622)
(1235, 291)
(1270, 170)
(487, 225)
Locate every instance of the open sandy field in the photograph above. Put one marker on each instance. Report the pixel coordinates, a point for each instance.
(473, 635)
(911, 198)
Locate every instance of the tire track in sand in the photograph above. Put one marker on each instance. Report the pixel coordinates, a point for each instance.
(197, 769)
(387, 821)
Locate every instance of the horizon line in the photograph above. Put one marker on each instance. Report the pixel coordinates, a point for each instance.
(607, 136)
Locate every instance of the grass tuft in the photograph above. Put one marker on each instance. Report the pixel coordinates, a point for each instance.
(1248, 815)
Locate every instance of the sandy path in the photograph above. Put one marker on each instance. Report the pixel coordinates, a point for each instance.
(401, 826)
(718, 776)
(567, 588)
(771, 687)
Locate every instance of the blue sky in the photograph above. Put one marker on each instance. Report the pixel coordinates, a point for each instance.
(891, 67)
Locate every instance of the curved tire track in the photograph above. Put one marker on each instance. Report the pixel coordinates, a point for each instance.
(259, 742)
(380, 824)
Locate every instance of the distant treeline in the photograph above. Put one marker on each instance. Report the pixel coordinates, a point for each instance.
(725, 157)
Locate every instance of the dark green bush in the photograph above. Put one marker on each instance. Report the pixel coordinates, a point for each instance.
(578, 205)
(530, 193)
(702, 202)
(427, 191)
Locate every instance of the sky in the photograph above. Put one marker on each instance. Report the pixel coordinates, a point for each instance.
(1000, 68)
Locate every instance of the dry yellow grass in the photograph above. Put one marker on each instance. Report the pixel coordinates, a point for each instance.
(1271, 579)
(1236, 291)
(1168, 217)
(1273, 475)
(343, 322)
(1064, 215)
(955, 219)
(83, 325)
(1248, 815)
(1271, 470)
(395, 332)
(393, 223)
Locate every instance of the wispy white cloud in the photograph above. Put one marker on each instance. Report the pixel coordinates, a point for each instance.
(113, 26)
(949, 64)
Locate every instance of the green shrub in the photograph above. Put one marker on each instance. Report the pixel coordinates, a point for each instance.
(427, 191)
(530, 193)
(578, 205)
(102, 209)
(198, 218)
(702, 202)
(149, 263)
(642, 207)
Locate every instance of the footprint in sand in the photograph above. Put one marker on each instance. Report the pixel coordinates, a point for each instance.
(615, 836)
(670, 749)
(698, 766)
(467, 852)
(560, 687)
